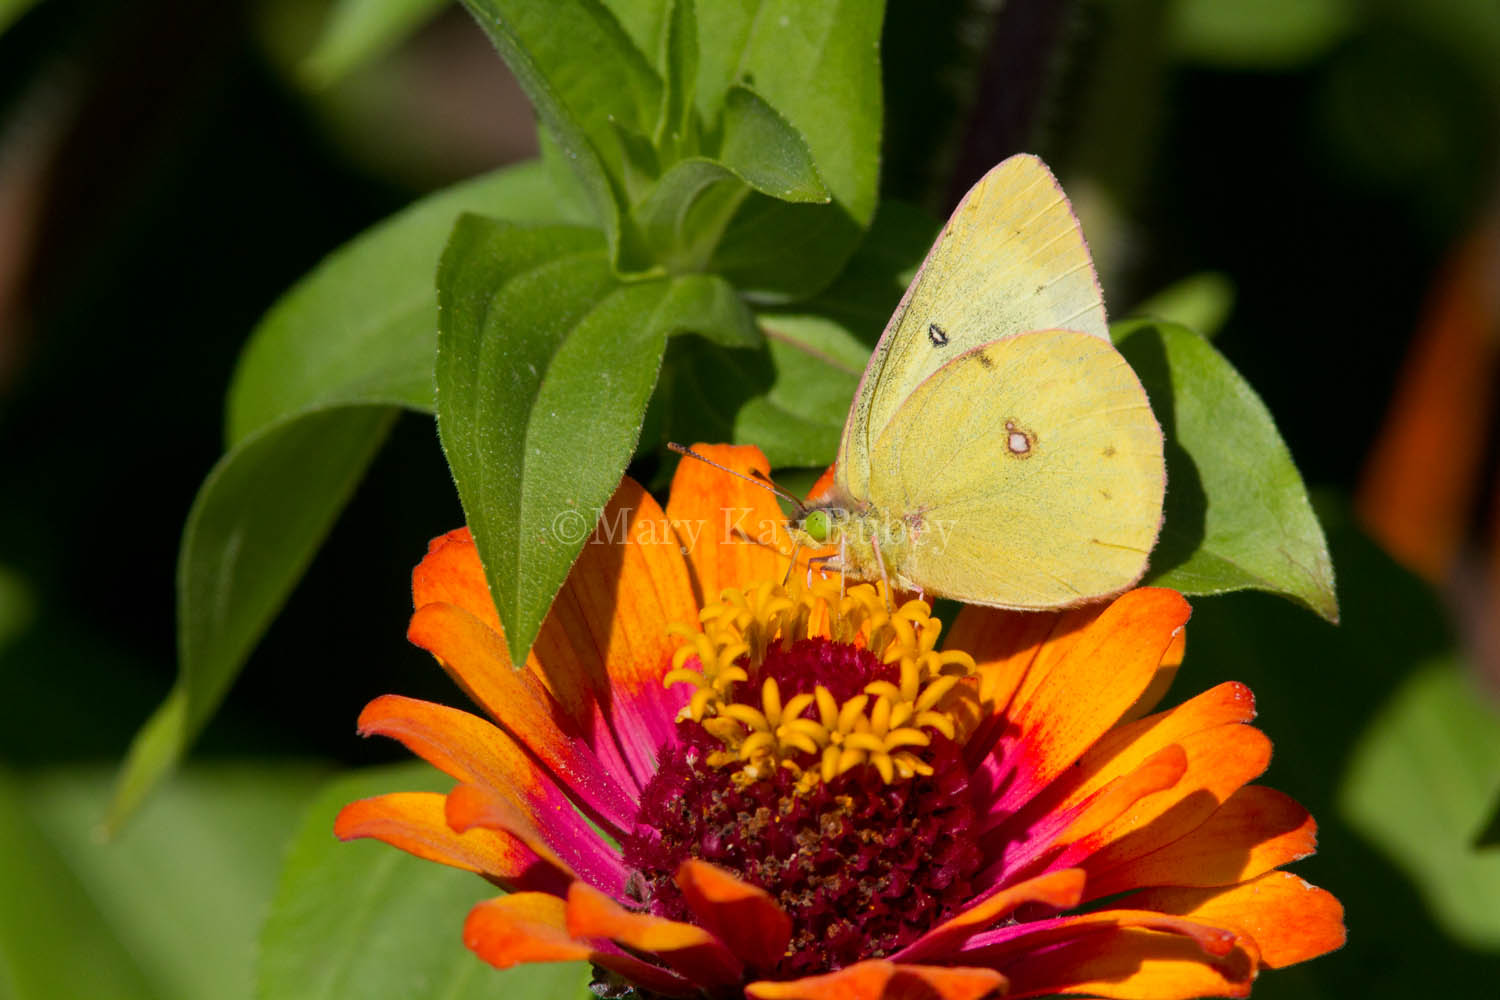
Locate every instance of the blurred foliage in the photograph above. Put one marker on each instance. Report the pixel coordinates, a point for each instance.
(180, 171)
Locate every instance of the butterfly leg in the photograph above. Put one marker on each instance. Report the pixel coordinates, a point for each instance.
(792, 566)
(822, 564)
(880, 563)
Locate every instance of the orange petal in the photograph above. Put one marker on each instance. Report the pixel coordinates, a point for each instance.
(1423, 476)
(1220, 761)
(1106, 666)
(742, 916)
(1256, 830)
(734, 532)
(878, 979)
(474, 655)
(604, 648)
(1059, 890)
(1124, 749)
(1130, 963)
(586, 856)
(531, 927)
(1161, 681)
(476, 753)
(450, 573)
(691, 950)
(1289, 919)
(414, 822)
(1159, 772)
(822, 489)
(1003, 644)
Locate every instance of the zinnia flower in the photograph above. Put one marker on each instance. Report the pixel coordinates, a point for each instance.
(710, 783)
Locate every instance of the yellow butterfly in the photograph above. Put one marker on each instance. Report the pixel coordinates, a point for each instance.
(999, 450)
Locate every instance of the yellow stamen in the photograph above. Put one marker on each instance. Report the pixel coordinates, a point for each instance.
(812, 735)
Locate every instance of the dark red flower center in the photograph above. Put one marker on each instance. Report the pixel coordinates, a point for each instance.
(863, 867)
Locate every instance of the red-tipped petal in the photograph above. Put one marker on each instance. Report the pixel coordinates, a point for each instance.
(1130, 963)
(1289, 919)
(1220, 762)
(531, 927)
(1059, 889)
(604, 647)
(1256, 830)
(878, 979)
(690, 950)
(450, 573)
(415, 822)
(475, 656)
(471, 806)
(1077, 698)
(742, 916)
(475, 752)
(1161, 681)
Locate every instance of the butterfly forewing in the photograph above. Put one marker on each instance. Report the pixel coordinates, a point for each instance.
(1029, 471)
(1012, 259)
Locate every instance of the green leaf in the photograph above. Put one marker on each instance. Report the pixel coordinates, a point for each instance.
(545, 365)
(791, 400)
(254, 527)
(683, 217)
(366, 920)
(1237, 514)
(47, 919)
(356, 31)
(646, 22)
(1318, 689)
(590, 85)
(818, 66)
(1489, 833)
(676, 129)
(169, 910)
(312, 397)
(362, 325)
(1200, 302)
(1418, 786)
(11, 11)
(1259, 34)
(764, 150)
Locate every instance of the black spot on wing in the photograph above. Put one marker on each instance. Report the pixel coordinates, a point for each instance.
(937, 335)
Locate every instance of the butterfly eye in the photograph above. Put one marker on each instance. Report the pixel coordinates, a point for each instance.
(817, 525)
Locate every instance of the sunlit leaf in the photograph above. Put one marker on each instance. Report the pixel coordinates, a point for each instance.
(363, 919)
(545, 364)
(1237, 513)
(818, 66)
(676, 129)
(590, 85)
(362, 325)
(761, 147)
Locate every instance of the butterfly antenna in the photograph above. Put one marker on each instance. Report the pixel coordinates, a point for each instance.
(756, 478)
